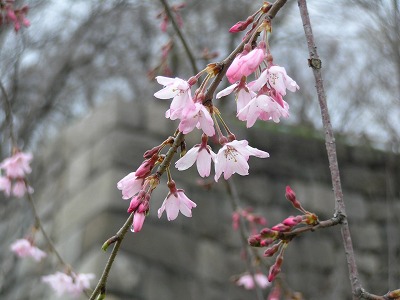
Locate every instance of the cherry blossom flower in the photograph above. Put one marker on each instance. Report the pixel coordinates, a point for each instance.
(277, 79)
(17, 166)
(175, 202)
(197, 116)
(232, 158)
(280, 81)
(130, 185)
(202, 155)
(62, 283)
(264, 108)
(24, 248)
(179, 90)
(247, 281)
(246, 63)
(243, 94)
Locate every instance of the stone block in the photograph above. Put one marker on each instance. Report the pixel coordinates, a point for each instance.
(100, 194)
(212, 261)
(166, 284)
(164, 244)
(367, 236)
(356, 206)
(157, 123)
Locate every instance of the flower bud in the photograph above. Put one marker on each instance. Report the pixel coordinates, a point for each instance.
(291, 196)
(138, 220)
(272, 250)
(135, 202)
(268, 233)
(281, 227)
(143, 207)
(266, 242)
(292, 221)
(146, 167)
(275, 268)
(254, 240)
(149, 153)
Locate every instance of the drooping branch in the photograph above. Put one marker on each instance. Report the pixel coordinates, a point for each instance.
(178, 139)
(340, 209)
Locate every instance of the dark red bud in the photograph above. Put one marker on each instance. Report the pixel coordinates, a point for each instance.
(271, 250)
(254, 240)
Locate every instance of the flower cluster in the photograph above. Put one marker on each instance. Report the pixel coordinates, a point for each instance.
(8, 14)
(249, 283)
(72, 285)
(262, 98)
(24, 248)
(15, 168)
(276, 239)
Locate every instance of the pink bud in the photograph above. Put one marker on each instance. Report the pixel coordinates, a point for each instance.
(149, 153)
(241, 25)
(135, 202)
(254, 240)
(138, 220)
(271, 250)
(291, 196)
(266, 242)
(275, 268)
(143, 207)
(146, 167)
(281, 227)
(292, 221)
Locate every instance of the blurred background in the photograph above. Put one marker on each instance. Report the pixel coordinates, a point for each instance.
(78, 57)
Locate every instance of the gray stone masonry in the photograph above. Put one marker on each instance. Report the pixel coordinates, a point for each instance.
(196, 258)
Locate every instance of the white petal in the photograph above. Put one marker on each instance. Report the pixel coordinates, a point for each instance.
(226, 91)
(204, 163)
(188, 159)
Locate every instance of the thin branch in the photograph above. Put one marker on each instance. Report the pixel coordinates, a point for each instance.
(340, 209)
(119, 236)
(178, 31)
(39, 225)
(9, 116)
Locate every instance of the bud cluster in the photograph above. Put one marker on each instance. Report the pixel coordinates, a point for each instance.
(277, 238)
(9, 14)
(248, 215)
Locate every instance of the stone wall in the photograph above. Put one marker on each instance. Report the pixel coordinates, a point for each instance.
(195, 258)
